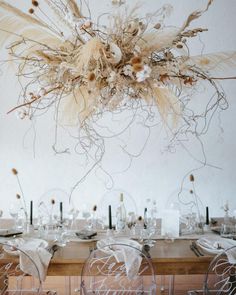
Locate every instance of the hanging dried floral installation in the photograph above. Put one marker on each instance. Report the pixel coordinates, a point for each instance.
(84, 68)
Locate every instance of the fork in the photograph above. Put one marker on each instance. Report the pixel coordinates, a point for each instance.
(194, 250)
(197, 249)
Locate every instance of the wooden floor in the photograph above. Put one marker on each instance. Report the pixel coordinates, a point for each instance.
(182, 284)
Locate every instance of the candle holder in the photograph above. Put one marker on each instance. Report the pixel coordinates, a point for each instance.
(110, 232)
(29, 229)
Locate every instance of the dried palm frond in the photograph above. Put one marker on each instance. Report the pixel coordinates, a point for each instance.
(12, 28)
(157, 40)
(168, 105)
(74, 8)
(92, 50)
(77, 107)
(7, 8)
(216, 63)
(195, 15)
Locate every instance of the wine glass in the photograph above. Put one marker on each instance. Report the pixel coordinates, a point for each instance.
(14, 211)
(149, 228)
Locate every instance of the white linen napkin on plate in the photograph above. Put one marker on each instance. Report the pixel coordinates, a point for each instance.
(128, 255)
(216, 244)
(36, 249)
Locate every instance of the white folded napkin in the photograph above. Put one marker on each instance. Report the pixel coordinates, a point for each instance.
(36, 249)
(216, 244)
(130, 256)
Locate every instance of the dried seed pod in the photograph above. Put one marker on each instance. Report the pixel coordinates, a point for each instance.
(35, 3)
(140, 218)
(95, 208)
(31, 10)
(18, 196)
(91, 77)
(157, 26)
(14, 171)
(191, 191)
(179, 45)
(191, 177)
(53, 201)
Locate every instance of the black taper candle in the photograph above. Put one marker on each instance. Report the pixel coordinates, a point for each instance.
(109, 217)
(61, 212)
(31, 212)
(207, 215)
(145, 218)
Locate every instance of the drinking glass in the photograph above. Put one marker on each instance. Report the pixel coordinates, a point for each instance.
(227, 230)
(14, 211)
(86, 214)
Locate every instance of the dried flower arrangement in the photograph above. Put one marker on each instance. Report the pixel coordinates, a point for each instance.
(73, 63)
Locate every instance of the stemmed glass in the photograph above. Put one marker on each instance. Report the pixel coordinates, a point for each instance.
(131, 222)
(14, 211)
(86, 214)
(149, 229)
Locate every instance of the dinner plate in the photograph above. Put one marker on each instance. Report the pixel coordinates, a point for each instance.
(209, 250)
(82, 240)
(215, 245)
(24, 243)
(103, 243)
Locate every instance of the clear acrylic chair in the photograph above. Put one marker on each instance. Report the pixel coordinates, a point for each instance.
(220, 278)
(15, 281)
(118, 269)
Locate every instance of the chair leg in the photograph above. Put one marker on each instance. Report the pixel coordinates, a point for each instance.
(67, 285)
(162, 283)
(171, 285)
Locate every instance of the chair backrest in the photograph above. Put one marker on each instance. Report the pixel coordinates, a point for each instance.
(118, 269)
(12, 279)
(221, 275)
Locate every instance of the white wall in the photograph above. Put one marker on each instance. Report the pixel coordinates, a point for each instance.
(155, 173)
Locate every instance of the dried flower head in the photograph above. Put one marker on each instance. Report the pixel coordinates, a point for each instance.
(91, 77)
(14, 171)
(31, 10)
(35, 3)
(95, 208)
(136, 60)
(191, 177)
(53, 201)
(18, 196)
(137, 67)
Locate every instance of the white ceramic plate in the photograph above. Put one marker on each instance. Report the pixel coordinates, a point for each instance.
(210, 244)
(209, 250)
(82, 240)
(103, 243)
(26, 243)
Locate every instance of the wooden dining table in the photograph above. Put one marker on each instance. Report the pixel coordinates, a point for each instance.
(169, 258)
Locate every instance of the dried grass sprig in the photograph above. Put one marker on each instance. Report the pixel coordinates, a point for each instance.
(15, 172)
